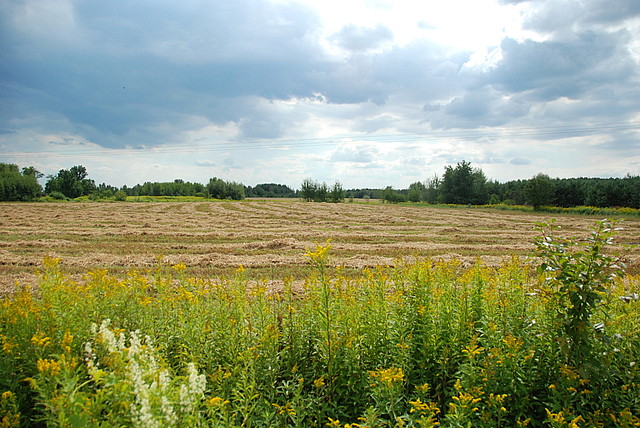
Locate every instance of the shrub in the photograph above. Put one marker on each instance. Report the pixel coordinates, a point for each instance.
(58, 196)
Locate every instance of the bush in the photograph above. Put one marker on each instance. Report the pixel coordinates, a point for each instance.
(58, 196)
(120, 196)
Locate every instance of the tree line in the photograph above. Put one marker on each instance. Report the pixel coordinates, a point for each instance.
(459, 184)
(463, 184)
(16, 185)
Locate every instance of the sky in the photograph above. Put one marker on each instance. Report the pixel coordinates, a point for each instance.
(371, 93)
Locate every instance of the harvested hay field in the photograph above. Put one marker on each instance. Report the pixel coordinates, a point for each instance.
(268, 237)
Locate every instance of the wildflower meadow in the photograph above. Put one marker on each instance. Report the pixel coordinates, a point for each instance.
(547, 341)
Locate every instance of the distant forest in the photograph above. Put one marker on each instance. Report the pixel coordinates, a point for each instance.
(460, 184)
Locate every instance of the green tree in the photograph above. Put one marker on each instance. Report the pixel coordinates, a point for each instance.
(322, 192)
(463, 185)
(235, 190)
(432, 189)
(72, 182)
(271, 190)
(16, 186)
(539, 191)
(220, 189)
(417, 192)
(392, 196)
(337, 192)
(479, 194)
(308, 190)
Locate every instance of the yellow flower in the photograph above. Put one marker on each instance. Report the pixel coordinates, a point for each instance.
(217, 402)
(319, 383)
(40, 340)
(7, 395)
(333, 423)
(7, 345)
(286, 409)
(51, 262)
(472, 350)
(66, 342)
(388, 376)
(145, 300)
(424, 388)
(321, 253)
(574, 422)
(47, 366)
(179, 267)
(418, 406)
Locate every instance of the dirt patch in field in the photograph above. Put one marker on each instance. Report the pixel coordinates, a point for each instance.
(267, 236)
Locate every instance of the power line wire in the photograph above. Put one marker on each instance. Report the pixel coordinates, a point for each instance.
(562, 131)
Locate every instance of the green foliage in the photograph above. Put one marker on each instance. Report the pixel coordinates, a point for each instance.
(392, 196)
(220, 189)
(417, 192)
(58, 196)
(337, 192)
(539, 191)
(319, 192)
(177, 187)
(578, 278)
(72, 182)
(17, 186)
(120, 195)
(463, 185)
(270, 190)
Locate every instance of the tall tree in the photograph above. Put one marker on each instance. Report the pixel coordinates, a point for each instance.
(539, 191)
(308, 189)
(16, 186)
(417, 192)
(220, 189)
(432, 190)
(463, 185)
(72, 182)
(322, 192)
(337, 192)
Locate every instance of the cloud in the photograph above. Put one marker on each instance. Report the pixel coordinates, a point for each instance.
(205, 163)
(256, 128)
(149, 63)
(520, 161)
(550, 70)
(360, 39)
(560, 18)
(356, 154)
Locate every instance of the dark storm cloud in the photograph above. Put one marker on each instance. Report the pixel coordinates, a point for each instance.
(145, 63)
(486, 107)
(560, 16)
(550, 70)
(590, 66)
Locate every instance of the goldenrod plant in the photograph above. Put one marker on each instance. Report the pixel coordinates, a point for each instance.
(422, 344)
